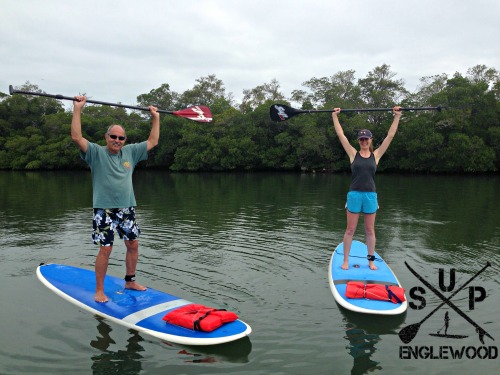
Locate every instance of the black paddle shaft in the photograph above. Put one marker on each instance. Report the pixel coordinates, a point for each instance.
(62, 97)
(283, 112)
(373, 109)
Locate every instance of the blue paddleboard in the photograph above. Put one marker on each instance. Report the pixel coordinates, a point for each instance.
(142, 311)
(359, 271)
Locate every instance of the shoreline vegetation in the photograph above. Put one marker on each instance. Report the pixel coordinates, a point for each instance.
(464, 138)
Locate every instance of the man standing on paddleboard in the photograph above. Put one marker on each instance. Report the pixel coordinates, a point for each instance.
(112, 167)
(362, 195)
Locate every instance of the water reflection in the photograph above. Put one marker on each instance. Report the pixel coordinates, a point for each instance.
(364, 332)
(233, 352)
(126, 361)
(361, 347)
(129, 360)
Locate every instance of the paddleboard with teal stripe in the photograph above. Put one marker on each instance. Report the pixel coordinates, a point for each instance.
(142, 311)
(359, 271)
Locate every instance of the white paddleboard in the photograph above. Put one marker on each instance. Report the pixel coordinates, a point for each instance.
(139, 310)
(360, 271)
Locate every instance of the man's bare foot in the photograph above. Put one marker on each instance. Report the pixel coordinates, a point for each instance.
(372, 266)
(345, 266)
(100, 297)
(134, 286)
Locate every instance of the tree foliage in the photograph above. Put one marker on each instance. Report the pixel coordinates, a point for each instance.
(464, 138)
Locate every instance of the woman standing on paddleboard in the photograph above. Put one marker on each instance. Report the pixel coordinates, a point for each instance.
(362, 195)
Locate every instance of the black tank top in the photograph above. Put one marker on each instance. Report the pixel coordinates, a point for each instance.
(363, 173)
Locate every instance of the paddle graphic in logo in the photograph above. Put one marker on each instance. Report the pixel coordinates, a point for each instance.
(408, 333)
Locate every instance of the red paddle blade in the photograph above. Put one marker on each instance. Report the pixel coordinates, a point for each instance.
(197, 113)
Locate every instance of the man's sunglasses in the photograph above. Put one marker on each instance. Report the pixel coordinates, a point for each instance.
(114, 136)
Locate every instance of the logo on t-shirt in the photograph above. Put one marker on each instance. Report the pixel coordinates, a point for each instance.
(126, 164)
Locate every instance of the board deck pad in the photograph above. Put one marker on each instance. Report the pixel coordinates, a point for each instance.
(139, 310)
(360, 271)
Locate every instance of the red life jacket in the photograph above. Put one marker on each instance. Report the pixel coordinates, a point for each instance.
(358, 289)
(199, 317)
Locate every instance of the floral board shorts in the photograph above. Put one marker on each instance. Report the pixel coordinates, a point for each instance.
(107, 220)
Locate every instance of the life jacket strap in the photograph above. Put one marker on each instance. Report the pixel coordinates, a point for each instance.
(197, 322)
(391, 294)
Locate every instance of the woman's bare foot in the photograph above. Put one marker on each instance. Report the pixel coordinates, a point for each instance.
(372, 266)
(134, 286)
(345, 266)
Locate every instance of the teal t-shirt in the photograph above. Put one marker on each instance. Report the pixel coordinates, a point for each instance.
(112, 174)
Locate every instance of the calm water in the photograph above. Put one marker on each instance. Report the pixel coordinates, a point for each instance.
(257, 244)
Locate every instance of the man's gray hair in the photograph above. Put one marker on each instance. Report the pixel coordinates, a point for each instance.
(111, 126)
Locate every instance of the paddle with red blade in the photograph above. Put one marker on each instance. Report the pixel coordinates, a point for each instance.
(197, 113)
(283, 112)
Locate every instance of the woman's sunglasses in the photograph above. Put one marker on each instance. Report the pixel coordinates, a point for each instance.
(120, 137)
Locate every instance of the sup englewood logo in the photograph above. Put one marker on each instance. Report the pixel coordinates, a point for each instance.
(408, 333)
(281, 112)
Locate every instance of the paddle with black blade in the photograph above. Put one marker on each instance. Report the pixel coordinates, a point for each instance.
(197, 113)
(408, 333)
(283, 112)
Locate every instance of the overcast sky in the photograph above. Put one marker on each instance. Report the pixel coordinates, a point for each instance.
(115, 50)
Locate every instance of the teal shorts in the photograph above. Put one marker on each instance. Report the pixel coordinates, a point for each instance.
(362, 202)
